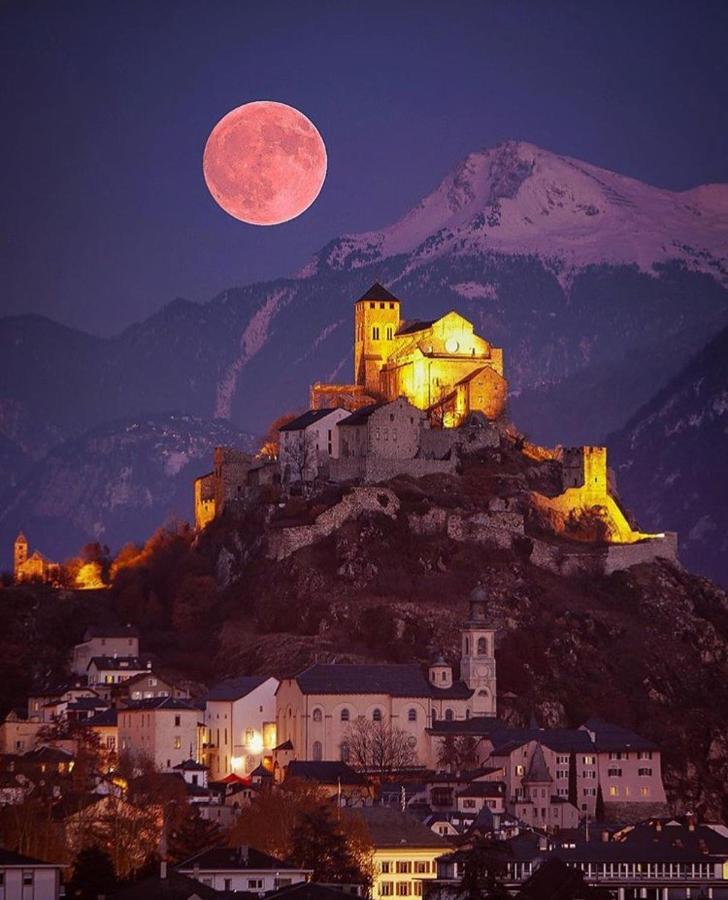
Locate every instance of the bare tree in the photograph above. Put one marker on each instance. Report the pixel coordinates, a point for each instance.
(379, 747)
(299, 451)
(458, 752)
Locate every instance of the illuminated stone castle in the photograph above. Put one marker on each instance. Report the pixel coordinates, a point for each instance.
(441, 366)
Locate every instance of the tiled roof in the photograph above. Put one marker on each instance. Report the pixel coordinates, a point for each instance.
(479, 726)
(174, 887)
(235, 688)
(405, 680)
(414, 327)
(110, 631)
(376, 292)
(308, 890)
(609, 737)
(389, 827)
(483, 789)
(226, 859)
(189, 765)
(8, 859)
(87, 703)
(308, 418)
(560, 740)
(121, 663)
(150, 703)
(325, 772)
(360, 416)
(107, 717)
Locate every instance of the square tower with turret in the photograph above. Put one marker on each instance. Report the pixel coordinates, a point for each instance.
(376, 322)
(477, 662)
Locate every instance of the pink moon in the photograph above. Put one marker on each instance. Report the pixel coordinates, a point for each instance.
(264, 163)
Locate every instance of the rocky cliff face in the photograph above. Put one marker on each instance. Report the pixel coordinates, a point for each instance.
(115, 484)
(647, 647)
(671, 460)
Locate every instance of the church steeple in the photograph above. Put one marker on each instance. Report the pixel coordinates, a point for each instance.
(477, 663)
(20, 552)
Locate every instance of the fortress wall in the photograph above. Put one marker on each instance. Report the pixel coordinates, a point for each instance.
(622, 556)
(380, 469)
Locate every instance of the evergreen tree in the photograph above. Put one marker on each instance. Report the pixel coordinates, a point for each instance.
(93, 874)
(484, 869)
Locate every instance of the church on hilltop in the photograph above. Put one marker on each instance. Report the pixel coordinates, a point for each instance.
(440, 366)
(34, 566)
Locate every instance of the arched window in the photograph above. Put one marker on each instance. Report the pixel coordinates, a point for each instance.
(317, 751)
(376, 715)
(412, 715)
(448, 715)
(482, 646)
(483, 693)
(345, 715)
(344, 752)
(317, 715)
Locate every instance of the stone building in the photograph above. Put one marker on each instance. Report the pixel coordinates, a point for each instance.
(440, 366)
(317, 708)
(33, 567)
(163, 730)
(225, 484)
(308, 442)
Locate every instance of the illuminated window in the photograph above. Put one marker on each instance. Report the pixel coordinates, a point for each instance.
(520, 770)
(613, 791)
(178, 743)
(644, 754)
(588, 760)
(644, 792)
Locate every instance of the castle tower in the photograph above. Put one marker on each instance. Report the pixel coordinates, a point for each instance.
(477, 663)
(376, 321)
(20, 552)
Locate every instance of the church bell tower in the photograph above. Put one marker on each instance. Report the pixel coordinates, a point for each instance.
(20, 553)
(376, 321)
(477, 663)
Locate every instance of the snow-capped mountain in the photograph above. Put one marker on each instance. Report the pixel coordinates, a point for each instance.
(598, 287)
(518, 199)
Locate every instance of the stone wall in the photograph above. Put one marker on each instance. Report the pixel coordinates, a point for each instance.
(285, 541)
(394, 430)
(599, 560)
(373, 469)
(496, 527)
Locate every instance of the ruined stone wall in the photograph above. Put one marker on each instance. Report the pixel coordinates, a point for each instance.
(622, 556)
(498, 527)
(204, 500)
(582, 560)
(231, 475)
(373, 469)
(285, 541)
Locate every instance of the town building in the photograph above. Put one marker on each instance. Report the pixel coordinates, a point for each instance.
(24, 878)
(307, 443)
(162, 730)
(242, 869)
(33, 567)
(317, 708)
(240, 725)
(103, 641)
(147, 685)
(440, 366)
(18, 735)
(105, 724)
(104, 672)
(404, 851)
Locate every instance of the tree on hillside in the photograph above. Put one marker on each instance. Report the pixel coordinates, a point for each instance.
(458, 752)
(379, 747)
(320, 843)
(270, 445)
(93, 875)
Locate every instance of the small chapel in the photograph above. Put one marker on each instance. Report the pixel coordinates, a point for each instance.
(33, 566)
(441, 366)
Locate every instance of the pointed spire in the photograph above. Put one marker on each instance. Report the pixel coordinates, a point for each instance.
(377, 292)
(538, 771)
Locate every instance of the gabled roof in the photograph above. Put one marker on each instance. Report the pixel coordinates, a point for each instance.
(403, 680)
(9, 859)
(174, 887)
(309, 890)
(414, 327)
(389, 827)
(190, 765)
(308, 418)
(325, 772)
(376, 292)
(360, 416)
(483, 789)
(235, 688)
(227, 859)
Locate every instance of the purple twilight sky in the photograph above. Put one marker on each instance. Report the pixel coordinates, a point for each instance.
(106, 108)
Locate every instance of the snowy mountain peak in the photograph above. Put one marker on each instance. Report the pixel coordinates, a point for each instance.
(518, 198)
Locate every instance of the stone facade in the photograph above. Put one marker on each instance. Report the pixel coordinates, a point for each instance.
(308, 443)
(33, 567)
(224, 485)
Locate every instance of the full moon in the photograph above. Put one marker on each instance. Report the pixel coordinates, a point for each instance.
(264, 163)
